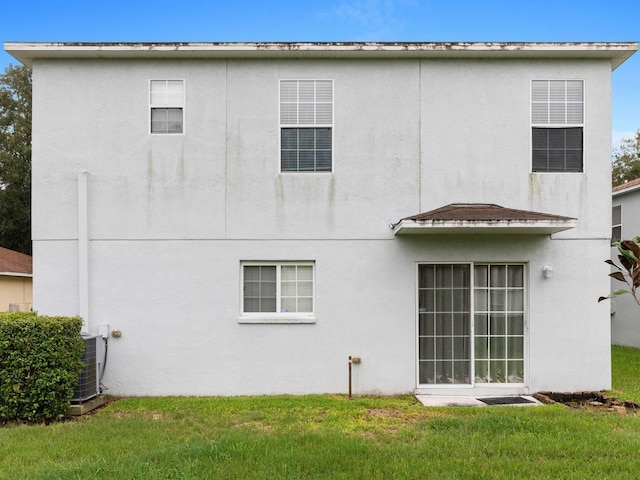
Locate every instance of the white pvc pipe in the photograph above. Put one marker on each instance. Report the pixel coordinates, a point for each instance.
(83, 248)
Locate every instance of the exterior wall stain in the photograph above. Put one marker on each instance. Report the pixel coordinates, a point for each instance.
(280, 201)
(533, 189)
(182, 173)
(331, 199)
(150, 174)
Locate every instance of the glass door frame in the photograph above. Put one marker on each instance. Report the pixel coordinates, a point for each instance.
(472, 334)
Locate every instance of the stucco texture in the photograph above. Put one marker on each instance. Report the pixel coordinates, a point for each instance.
(171, 218)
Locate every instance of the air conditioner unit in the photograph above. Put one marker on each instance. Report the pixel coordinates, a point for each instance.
(89, 384)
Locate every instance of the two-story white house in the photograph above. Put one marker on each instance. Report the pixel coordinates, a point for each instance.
(625, 225)
(246, 216)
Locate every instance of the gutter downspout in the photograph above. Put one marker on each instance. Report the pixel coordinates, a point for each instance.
(83, 248)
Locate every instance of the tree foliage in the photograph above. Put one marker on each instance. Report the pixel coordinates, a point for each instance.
(15, 159)
(628, 269)
(626, 160)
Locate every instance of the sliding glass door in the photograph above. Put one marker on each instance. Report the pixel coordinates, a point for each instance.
(470, 324)
(444, 328)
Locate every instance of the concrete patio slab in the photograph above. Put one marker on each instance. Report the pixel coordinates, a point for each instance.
(469, 401)
(88, 406)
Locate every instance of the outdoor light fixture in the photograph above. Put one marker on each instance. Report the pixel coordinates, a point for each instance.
(547, 271)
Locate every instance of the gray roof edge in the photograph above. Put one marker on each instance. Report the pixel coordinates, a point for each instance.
(26, 52)
(623, 191)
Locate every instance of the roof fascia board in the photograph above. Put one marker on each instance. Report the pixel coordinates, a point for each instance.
(482, 227)
(15, 274)
(626, 190)
(616, 52)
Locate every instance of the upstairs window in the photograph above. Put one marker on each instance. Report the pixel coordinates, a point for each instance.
(166, 100)
(557, 121)
(616, 224)
(306, 123)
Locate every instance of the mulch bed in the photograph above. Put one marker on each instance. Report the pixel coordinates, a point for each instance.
(588, 401)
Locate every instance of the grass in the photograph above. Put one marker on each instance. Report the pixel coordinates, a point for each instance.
(626, 373)
(328, 436)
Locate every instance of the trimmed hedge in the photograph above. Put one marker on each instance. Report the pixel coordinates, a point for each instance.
(40, 365)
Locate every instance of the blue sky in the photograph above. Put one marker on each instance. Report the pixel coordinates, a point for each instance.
(339, 20)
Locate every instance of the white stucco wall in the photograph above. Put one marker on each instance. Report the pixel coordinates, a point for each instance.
(625, 312)
(171, 217)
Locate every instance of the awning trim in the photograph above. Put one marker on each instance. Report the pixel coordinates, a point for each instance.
(475, 218)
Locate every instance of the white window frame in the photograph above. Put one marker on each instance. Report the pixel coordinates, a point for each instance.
(550, 125)
(180, 105)
(277, 316)
(490, 387)
(616, 225)
(282, 126)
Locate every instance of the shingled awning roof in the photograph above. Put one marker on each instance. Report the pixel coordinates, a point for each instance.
(15, 263)
(474, 218)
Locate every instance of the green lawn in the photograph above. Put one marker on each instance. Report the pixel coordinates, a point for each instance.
(331, 437)
(626, 373)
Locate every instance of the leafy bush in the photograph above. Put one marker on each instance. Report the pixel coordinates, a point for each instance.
(40, 365)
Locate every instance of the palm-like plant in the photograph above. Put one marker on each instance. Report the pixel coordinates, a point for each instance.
(628, 271)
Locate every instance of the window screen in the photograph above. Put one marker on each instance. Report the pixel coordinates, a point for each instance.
(166, 98)
(557, 120)
(306, 122)
(557, 149)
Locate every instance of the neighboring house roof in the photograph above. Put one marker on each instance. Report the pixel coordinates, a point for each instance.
(616, 52)
(15, 263)
(483, 218)
(627, 187)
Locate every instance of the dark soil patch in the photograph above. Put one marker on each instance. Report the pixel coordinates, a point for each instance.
(597, 401)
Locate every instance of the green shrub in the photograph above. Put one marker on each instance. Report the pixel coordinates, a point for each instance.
(40, 365)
